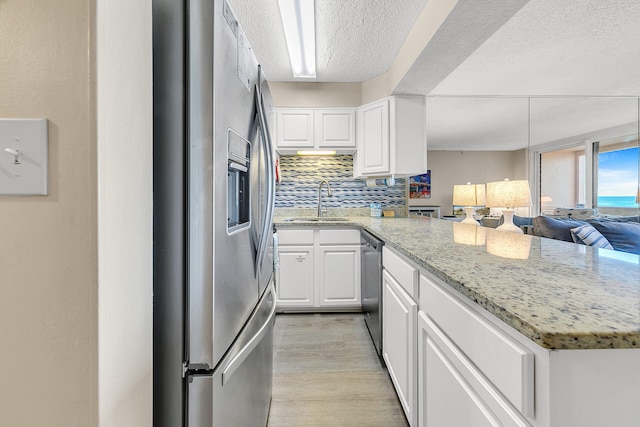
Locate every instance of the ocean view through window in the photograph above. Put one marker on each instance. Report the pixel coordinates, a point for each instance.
(617, 175)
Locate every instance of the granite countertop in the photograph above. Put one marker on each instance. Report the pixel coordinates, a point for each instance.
(560, 295)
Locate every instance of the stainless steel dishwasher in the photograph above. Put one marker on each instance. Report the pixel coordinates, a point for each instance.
(371, 286)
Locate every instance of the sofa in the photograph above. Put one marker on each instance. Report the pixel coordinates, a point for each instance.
(618, 233)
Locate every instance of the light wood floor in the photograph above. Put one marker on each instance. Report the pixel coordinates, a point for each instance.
(327, 373)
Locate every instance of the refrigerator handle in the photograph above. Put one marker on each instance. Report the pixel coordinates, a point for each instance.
(235, 363)
(270, 181)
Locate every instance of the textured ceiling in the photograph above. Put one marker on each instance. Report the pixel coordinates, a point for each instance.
(551, 47)
(466, 28)
(548, 48)
(355, 40)
(508, 48)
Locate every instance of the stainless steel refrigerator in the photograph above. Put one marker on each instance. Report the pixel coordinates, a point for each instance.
(214, 184)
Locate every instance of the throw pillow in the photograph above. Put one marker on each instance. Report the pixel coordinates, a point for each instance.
(588, 235)
(553, 228)
(623, 236)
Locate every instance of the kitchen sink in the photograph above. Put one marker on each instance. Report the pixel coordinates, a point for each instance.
(315, 219)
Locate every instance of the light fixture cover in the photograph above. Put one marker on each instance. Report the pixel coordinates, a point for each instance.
(298, 21)
(469, 195)
(316, 152)
(508, 194)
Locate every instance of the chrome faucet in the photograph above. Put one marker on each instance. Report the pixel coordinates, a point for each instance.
(329, 193)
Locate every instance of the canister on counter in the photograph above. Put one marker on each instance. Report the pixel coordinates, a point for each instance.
(376, 210)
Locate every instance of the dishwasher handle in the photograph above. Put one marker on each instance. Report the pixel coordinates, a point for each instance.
(369, 240)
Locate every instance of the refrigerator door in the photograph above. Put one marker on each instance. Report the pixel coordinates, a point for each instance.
(239, 392)
(222, 286)
(266, 183)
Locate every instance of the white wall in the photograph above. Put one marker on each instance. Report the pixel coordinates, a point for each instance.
(48, 248)
(125, 188)
(559, 179)
(459, 167)
(76, 344)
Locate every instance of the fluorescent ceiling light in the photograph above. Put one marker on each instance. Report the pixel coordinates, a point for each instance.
(316, 152)
(299, 22)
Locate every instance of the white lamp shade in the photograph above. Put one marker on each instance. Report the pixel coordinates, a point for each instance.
(509, 194)
(469, 195)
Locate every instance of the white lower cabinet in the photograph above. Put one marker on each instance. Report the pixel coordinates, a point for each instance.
(452, 391)
(295, 277)
(319, 269)
(454, 364)
(339, 279)
(399, 314)
(399, 330)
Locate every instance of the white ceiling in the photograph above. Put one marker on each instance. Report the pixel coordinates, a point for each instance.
(355, 40)
(521, 48)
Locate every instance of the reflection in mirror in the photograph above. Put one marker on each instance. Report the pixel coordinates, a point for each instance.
(583, 151)
(585, 156)
(479, 124)
(474, 139)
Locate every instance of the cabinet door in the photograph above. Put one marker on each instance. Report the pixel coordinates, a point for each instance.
(335, 129)
(399, 346)
(452, 392)
(295, 129)
(339, 278)
(294, 280)
(373, 140)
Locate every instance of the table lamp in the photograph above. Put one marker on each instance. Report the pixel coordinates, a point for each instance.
(509, 195)
(469, 196)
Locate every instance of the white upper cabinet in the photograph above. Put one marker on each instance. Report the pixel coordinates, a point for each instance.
(391, 138)
(294, 129)
(315, 129)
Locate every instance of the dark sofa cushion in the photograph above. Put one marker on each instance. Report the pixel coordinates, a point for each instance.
(623, 236)
(555, 228)
(634, 218)
(518, 221)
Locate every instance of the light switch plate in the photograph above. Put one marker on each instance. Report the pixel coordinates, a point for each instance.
(24, 156)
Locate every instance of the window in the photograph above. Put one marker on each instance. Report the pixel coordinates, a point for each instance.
(616, 173)
(567, 179)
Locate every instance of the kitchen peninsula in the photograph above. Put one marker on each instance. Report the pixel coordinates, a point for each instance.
(549, 339)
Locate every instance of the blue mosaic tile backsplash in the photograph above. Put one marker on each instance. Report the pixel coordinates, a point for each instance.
(301, 176)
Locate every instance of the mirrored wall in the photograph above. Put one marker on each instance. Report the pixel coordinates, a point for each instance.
(577, 152)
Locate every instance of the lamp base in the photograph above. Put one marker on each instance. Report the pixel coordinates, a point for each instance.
(508, 224)
(469, 211)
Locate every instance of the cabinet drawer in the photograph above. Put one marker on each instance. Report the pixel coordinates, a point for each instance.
(295, 237)
(339, 237)
(405, 273)
(503, 361)
(452, 391)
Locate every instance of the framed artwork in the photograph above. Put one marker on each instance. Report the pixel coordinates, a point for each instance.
(420, 186)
